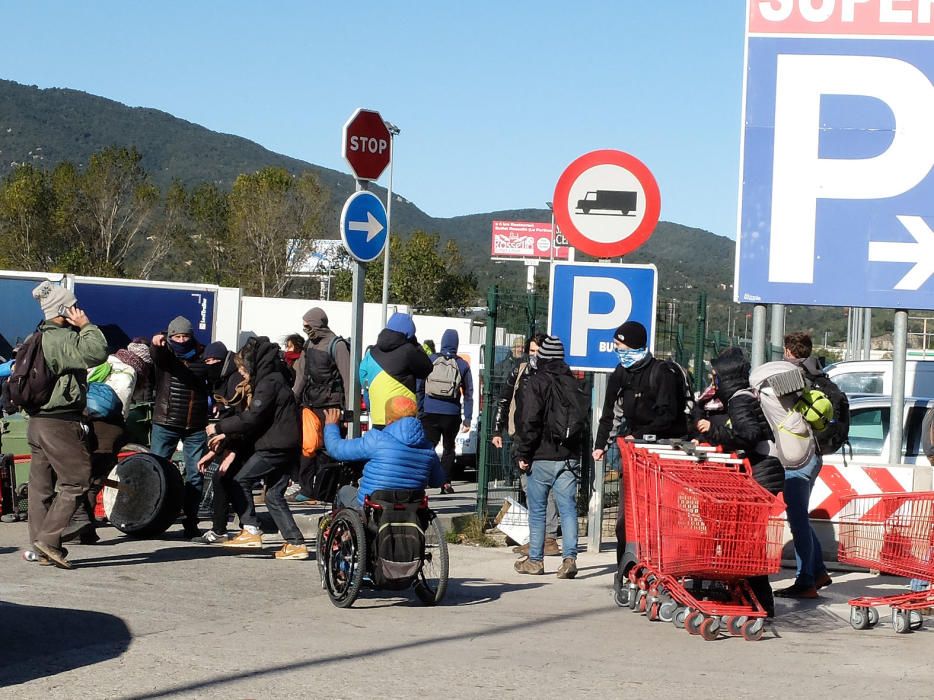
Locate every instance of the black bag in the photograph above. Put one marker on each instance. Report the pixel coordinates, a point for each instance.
(32, 382)
(835, 435)
(567, 408)
(685, 396)
(398, 539)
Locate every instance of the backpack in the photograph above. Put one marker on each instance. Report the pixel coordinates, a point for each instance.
(102, 401)
(511, 422)
(444, 382)
(566, 408)
(685, 397)
(780, 386)
(32, 382)
(832, 436)
(398, 544)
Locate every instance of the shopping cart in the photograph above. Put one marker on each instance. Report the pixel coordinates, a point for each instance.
(697, 527)
(891, 532)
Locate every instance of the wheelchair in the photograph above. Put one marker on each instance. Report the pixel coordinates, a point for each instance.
(348, 539)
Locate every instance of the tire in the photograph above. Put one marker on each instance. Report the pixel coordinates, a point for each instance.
(621, 592)
(915, 620)
(693, 622)
(667, 611)
(752, 630)
(901, 622)
(734, 625)
(346, 557)
(150, 499)
(432, 581)
(710, 628)
(859, 618)
(324, 522)
(873, 615)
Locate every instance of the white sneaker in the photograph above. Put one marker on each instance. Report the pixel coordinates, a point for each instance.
(211, 537)
(293, 489)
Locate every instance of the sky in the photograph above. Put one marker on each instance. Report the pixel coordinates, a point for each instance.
(494, 99)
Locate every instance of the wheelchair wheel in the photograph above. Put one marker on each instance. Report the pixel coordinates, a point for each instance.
(345, 558)
(432, 581)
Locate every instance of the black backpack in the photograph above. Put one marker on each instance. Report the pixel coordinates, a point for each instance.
(685, 395)
(835, 435)
(32, 382)
(566, 409)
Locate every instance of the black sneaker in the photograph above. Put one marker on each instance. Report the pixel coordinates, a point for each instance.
(796, 590)
(192, 531)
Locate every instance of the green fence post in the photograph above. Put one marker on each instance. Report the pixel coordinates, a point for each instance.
(699, 337)
(486, 422)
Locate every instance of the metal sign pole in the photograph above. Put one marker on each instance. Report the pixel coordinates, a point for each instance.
(393, 132)
(867, 334)
(757, 356)
(899, 357)
(356, 335)
(777, 350)
(595, 514)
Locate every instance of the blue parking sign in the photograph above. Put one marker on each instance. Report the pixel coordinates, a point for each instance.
(363, 226)
(590, 300)
(837, 189)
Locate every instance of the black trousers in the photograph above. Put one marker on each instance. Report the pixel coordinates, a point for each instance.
(443, 428)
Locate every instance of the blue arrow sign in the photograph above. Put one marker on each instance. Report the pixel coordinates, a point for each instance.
(590, 300)
(363, 226)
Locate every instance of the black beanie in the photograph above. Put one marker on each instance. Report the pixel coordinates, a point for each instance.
(632, 334)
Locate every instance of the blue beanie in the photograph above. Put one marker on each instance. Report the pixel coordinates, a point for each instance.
(402, 323)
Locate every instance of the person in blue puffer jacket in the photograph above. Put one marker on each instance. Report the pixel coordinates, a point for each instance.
(398, 457)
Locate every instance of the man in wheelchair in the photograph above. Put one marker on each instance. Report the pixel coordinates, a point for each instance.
(399, 457)
(384, 530)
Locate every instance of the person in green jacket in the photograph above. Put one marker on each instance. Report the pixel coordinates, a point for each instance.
(57, 432)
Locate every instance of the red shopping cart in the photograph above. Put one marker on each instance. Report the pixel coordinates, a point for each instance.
(891, 532)
(698, 525)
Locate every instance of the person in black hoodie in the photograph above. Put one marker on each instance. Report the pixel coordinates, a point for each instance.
(746, 429)
(271, 421)
(553, 464)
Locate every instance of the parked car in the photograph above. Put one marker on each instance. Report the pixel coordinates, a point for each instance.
(869, 431)
(874, 377)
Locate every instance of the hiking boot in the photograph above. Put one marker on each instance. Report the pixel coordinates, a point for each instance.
(245, 539)
(551, 548)
(527, 566)
(54, 554)
(522, 550)
(822, 581)
(210, 537)
(568, 568)
(292, 551)
(796, 590)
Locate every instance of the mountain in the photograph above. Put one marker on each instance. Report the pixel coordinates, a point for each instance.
(46, 126)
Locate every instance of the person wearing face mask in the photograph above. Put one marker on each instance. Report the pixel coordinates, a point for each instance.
(508, 407)
(322, 381)
(642, 400)
(181, 408)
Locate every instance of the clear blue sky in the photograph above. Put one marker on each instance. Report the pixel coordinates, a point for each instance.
(494, 99)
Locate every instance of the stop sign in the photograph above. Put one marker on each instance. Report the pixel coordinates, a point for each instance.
(366, 144)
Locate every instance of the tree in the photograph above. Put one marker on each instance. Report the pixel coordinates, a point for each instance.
(274, 220)
(421, 276)
(28, 237)
(209, 213)
(171, 230)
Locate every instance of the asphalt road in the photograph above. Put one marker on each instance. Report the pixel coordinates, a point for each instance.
(159, 619)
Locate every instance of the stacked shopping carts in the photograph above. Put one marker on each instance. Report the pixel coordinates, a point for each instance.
(697, 527)
(894, 533)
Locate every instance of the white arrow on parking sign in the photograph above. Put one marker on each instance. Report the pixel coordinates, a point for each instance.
(921, 253)
(372, 226)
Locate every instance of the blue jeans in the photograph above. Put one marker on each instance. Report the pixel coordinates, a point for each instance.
(163, 442)
(274, 467)
(808, 553)
(561, 477)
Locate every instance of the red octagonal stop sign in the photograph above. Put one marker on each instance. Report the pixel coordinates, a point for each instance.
(366, 144)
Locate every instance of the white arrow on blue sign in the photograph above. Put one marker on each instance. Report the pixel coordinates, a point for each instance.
(590, 300)
(363, 226)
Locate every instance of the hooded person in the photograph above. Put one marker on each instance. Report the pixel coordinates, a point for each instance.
(392, 367)
(180, 413)
(445, 401)
(744, 429)
(271, 422)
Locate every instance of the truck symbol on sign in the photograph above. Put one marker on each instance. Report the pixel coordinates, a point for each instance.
(607, 202)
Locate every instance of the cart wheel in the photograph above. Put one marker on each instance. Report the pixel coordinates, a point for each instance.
(643, 602)
(634, 595)
(710, 628)
(900, 622)
(859, 618)
(680, 617)
(653, 611)
(734, 625)
(621, 596)
(873, 616)
(915, 620)
(667, 611)
(752, 630)
(693, 622)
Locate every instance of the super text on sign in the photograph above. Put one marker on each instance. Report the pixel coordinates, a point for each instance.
(367, 144)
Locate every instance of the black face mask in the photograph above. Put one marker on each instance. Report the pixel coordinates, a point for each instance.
(214, 371)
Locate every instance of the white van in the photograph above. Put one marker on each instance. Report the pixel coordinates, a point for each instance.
(874, 377)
